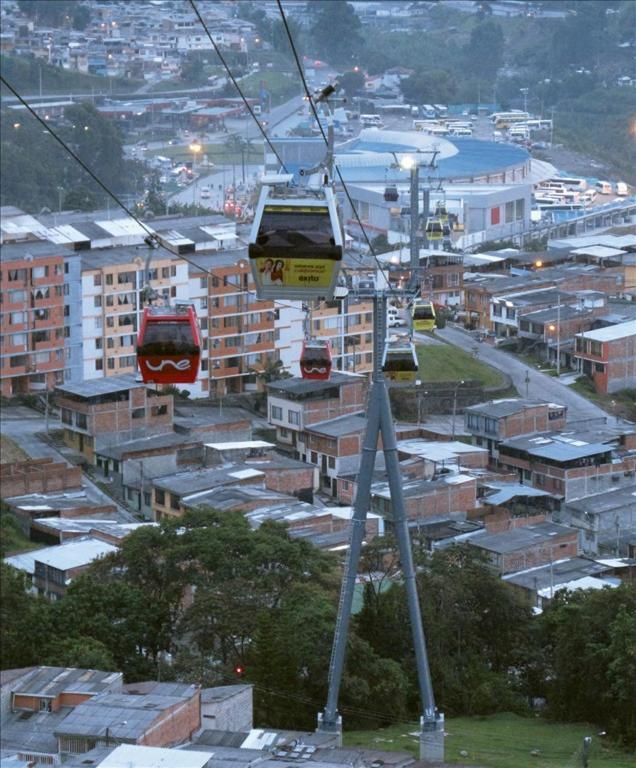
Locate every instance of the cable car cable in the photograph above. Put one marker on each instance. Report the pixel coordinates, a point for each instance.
(236, 85)
(322, 131)
(123, 206)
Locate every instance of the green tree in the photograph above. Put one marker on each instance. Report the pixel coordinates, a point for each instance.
(335, 33)
(432, 86)
(273, 370)
(82, 652)
(81, 17)
(25, 627)
(352, 82)
(589, 637)
(483, 54)
(54, 13)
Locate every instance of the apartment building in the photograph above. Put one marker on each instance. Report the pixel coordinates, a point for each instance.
(348, 325)
(490, 423)
(570, 464)
(335, 446)
(111, 306)
(608, 356)
(294, 404)
(102, 412)
(32, 356)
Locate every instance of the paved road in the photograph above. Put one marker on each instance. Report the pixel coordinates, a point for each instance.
(22, 425)
(540, 386)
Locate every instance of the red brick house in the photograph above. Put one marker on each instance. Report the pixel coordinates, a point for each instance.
(608, 356)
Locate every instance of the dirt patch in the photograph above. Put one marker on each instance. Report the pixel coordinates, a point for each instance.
(10, 451)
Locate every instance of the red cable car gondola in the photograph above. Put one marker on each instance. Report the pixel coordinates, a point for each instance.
(315, 360)
(169, 345)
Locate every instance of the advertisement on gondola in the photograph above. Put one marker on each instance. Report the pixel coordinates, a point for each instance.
(296, 272)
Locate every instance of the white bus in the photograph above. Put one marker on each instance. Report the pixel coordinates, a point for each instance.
(506, 119)
(577, 184)
(604, 187)
(371, 120)
(457, 130)
(424, 125)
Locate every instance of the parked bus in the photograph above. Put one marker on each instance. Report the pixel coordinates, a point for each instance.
(506, 119)
(371, 121)
(424, 125)
(578, 185)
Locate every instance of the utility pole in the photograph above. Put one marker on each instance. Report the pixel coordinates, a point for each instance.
(558, 334)
(457, 386)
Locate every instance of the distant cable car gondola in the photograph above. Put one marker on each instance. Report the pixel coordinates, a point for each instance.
(434, 229)
(295, 246)
(441, 212)
(399, 364)
(169, 345)
(391, 194)
(315, 360)
(423, 314)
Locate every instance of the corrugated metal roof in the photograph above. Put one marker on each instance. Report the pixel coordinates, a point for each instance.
(611, 332)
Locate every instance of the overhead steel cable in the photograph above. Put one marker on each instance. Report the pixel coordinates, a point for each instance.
(149, 231)
(246, 102)
(324, 136)
(236, 85)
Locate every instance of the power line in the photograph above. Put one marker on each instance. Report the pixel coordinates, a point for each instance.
(236, 85)
(117, 200)
(322, 131)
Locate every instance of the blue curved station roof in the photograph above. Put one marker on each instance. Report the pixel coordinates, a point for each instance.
(474, 158)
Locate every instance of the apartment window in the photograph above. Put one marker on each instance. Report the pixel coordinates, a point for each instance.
(314, 457)
(203, 282)
(139, 413)
(473, 421)
(496, 310)
(453, 279)
(159, 410)
(277, 412)
(147, 499)
(173, 271)
(42, 357)
(39, 272)
(293, 417)
(40, 336)
(127, 361)
(97, 301)
(126, 277)
(160, 497)
(284, 432)
(16, 318)
(16, 296)
(510, 211)
(331, 462)
(82, 421)
(67, 416)
(18, 339)
(17, 275)
(599, 367)
(67, 332)
(596, 349)
(98, 343)
(539, 479)
(204, 365)
(215, 282)
(109, 279)
(491, 426)
(110, 343)
(204, 302)
(174, 502)
(97, 280)
(228, 322)
(203, 323)
(165, 272)
(111, 363)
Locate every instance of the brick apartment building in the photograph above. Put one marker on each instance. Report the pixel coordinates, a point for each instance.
(444, 496)
(349, 322)
(32, 357)
(527, 546)
(335, 446)
(608, 356)
(569, 465)
(294, 404)
(490, 423)
(107, 411)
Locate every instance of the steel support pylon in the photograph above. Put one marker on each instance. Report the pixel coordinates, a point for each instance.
(380, 423)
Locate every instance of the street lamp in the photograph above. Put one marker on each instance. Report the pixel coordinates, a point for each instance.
(525, 98)
(195, 148)
(557, 328)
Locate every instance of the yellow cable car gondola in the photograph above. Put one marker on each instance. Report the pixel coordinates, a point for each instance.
(423, 314)
(295, 247)
(434, 229)
(399, 363)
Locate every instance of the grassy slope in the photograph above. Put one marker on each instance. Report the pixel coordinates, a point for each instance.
(503, 741)
(24, 75)
(10, 450)
(446, 363)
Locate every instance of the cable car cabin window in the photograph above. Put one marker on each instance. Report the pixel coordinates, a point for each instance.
(400, 361)
(316, 355)
(423, 312)
(168, 338)
(282, 229)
